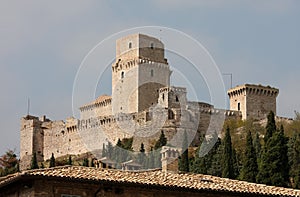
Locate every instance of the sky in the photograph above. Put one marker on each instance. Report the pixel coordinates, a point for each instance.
(42, 44)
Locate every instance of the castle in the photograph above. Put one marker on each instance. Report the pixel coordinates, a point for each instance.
(143, 103)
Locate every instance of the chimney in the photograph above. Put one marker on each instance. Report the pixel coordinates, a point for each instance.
(169, 159)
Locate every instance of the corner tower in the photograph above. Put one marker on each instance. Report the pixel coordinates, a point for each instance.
(139, 72)
(254, 101)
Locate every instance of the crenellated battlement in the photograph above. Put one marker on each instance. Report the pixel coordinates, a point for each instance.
(253, 89)
(143, 103)
(254, 101)
(127, 64)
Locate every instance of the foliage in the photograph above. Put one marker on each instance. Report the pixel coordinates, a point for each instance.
(142, 155)
(249, 168)
(271, 126)
(162, 141)
(34, 162)
(85, 162)
(227, 156)
(103, 150)
(294, 159)
(273, 167)
(9, 163)
(52, 161)
(70, 160)
(184, 159)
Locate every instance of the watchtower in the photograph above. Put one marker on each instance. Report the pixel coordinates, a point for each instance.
(139, 72)
(31, 140)
(254, 101)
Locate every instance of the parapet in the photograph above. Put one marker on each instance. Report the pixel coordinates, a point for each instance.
(253, 89)
(101, 101)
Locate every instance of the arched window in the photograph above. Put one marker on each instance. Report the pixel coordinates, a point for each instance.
(239, 106)
(152, 45)
(130, 45)
(177, 100)
(152, 73)
(122, 75)
(163, 97)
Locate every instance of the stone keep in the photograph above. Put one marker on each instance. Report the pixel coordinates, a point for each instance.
(139, 72)
(254, 101)
(144, 102)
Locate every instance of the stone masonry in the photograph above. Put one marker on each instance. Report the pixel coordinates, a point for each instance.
(143, 103)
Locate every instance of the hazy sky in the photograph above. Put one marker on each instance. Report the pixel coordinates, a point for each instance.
(43, 43)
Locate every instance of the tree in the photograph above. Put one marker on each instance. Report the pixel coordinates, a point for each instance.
(9, 163)
(162, 141)
(184, 159)
(294, 159)
(85, 162)
(34, 162)
(257, 146)
(227, 162)
(142, 156)
(52, 161)
(200, 162)
(150, 159)
(70, 160)
(249, 168)
(270, 127)
(109, 151)
(273, 167)
(103, 150)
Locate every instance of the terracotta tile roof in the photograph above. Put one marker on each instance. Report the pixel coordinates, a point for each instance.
(156, 178)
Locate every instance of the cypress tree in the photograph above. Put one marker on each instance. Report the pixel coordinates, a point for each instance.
(103, 150)
(294, 159)
(142, 156)
(270, 127)
(227, 162)
(109, 151)
(257, 146)
(278, 153)
(249, 168)
(274, 168)
(214, 159)
(34, 163)
(162, 141)
(150, 159)
(184, 159)
(52, 161)
(70, 160)
(199, 164)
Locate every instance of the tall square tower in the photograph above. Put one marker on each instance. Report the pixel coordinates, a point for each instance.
(139, 72)
(254, 101)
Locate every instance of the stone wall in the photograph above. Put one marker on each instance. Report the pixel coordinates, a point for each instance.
(254, 101)
(31, 140)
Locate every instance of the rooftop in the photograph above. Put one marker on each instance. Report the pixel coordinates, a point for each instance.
(197, 182)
